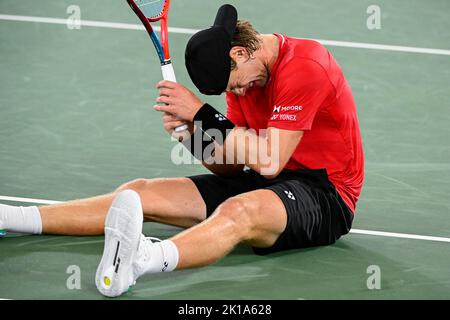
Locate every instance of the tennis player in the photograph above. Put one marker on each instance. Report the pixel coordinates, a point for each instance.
(290, 97)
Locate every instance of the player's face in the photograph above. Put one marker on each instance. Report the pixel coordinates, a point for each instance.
(246, 75)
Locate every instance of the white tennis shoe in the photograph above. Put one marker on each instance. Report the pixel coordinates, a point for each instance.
(123, 231)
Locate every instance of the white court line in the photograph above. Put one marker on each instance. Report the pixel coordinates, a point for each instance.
(90, 23)
(373, 46)
(129, 26)
(355, 231)
(399, 235)
(28, 200)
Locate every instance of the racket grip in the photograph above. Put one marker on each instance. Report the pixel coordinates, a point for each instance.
(169, 74)
(181, 128)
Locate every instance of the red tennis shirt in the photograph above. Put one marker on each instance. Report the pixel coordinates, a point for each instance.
(307, 91)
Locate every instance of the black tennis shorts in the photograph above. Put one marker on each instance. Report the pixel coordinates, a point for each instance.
(316, 213)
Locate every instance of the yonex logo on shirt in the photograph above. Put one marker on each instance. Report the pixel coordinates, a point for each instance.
(289, 195)
(276, 109)
(220, 117)
(284, 117)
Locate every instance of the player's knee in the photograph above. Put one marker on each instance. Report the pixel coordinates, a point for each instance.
(137, 185)
(238, 212)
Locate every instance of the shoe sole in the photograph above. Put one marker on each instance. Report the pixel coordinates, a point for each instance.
(123, 228)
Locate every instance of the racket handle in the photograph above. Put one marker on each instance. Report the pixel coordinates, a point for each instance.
(169, 74)
(181, 128)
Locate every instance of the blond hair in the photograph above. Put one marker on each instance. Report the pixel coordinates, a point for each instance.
(245, 36)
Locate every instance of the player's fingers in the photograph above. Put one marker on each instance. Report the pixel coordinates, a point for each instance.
(172, 121)
(173, 124)
(177, 123)
(162, 108)
(167, 117)
(164, 99)
(164, 92)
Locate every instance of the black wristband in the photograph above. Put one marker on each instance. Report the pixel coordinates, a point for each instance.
(199, 145)
(213, 123)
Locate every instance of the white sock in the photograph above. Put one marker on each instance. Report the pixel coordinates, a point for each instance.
(156, 257)
(20, 219)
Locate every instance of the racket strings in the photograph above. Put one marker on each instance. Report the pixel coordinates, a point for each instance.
(151, 8)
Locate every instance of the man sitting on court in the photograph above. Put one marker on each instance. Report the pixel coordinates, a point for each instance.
(289, 96)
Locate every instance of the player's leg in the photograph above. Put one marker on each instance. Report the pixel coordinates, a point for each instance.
(76, 217)
(285, 214)
(174, 201)
(256, 217)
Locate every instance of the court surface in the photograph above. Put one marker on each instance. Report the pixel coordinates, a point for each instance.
(76, 120)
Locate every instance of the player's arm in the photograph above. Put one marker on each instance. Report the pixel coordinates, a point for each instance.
(231, 148)
(213, 159)
(218, 163)
(266, 154)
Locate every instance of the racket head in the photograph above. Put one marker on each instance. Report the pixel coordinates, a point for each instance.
(153, 10)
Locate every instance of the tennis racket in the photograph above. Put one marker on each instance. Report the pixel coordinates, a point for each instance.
(152, 11)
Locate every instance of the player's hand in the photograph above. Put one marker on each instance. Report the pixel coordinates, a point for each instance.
(170, 122)
(177, 100)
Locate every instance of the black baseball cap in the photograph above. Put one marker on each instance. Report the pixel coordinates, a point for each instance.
(207, 55)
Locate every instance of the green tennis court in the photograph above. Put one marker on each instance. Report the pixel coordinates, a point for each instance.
(76, 120)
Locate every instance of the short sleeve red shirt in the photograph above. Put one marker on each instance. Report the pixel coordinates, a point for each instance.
(307, 91)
